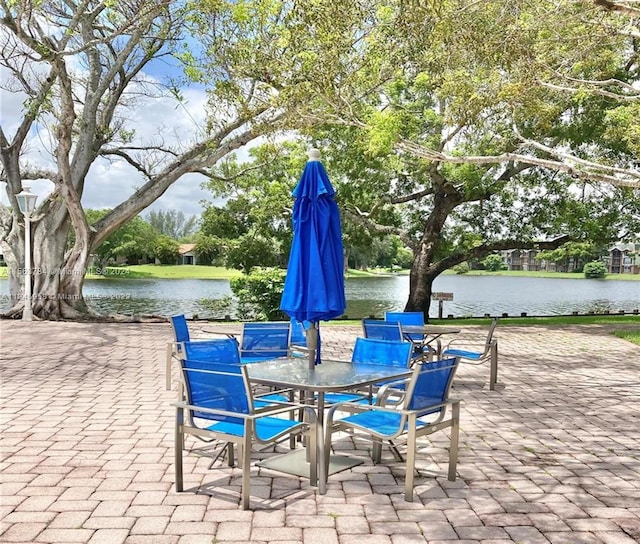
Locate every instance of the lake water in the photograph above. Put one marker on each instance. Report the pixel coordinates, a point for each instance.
(473, 296)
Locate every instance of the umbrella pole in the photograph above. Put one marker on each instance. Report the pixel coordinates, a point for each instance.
(312, 344)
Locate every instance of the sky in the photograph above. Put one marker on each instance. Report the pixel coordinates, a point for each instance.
(111, 182)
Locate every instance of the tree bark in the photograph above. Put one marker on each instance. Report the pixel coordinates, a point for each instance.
(425, 267)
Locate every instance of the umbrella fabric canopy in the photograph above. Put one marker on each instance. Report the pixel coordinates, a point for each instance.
(314, 284)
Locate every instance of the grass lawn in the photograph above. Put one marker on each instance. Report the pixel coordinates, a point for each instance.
(178, 271)
(630, 323)
(632, 336)
(186, 271)
(613, 319)
(218, 272)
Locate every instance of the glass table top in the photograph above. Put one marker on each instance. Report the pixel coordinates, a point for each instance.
(331, 375)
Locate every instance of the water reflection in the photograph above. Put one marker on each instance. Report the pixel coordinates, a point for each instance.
(477, 295)
(473, 296)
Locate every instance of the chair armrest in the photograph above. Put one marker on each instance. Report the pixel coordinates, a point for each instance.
(393, 410)
(479, 345)
(294, 349)
(261, 412)
(384, 394)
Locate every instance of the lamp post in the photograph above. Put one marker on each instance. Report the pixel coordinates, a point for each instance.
(27, 204)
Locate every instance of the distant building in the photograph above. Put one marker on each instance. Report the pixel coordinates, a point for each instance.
(624, 259)
(188, 254)
(521, 259)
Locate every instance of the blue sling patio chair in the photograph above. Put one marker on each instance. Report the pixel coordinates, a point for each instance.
(476, 350)
(219, 405)
(264, 340)
(423, 411)
(415, 319)
(373, 351)
(220, 351)
(389, 330)
(180, 334)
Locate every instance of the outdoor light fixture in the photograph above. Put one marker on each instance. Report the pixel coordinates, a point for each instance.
(27, 204)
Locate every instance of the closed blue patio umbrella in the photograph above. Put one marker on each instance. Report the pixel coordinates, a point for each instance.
(314, 284)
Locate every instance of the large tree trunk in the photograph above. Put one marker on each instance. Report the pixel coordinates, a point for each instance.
(421, 280)
(425, 269)
(57, 274)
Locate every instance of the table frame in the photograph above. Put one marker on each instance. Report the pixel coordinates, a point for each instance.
(427, 331)
(330, 376)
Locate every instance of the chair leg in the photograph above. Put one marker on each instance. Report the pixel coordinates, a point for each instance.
(411, 460)
(179, 445)
(453, 448)
(323, 475)
(245, 456)
(376, 453)
(231, 460)
(438, 349)
(493, 372)
(167, 384)
(315, 444)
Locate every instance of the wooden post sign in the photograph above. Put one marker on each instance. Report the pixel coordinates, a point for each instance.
(441, 297)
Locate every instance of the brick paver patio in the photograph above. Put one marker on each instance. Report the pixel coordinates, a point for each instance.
(551, 456)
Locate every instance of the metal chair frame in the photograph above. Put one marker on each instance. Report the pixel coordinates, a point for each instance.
(229, 415)
(477, 352)
(427, 394)
(180, 334)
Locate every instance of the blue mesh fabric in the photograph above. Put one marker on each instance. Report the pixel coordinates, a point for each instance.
(220, 386)
(180, 329)
(265, 340)
(219, 350)
(381, 352)
(382, 330)
(432, 384)
(406, 318)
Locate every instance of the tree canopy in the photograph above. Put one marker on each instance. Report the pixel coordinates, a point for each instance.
(439, 116)
(82, 67)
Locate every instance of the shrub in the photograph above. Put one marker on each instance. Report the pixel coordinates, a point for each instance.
(494, 262)
(594, 269)
(259, 294)
(462, 268)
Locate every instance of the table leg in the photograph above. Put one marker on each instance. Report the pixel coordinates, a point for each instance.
(323, 467)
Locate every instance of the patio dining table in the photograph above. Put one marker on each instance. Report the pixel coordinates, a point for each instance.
(330, 376)
(430, 334)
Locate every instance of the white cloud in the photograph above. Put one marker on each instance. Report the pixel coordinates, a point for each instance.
(110, 182)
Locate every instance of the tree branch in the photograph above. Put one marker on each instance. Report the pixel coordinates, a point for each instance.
(578, 168)
(496, 245)
(362, 219)
(609, 5)
(598, 91)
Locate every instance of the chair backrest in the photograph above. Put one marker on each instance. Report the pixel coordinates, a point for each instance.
(219, 386)
(489, 340)
(180, 328)
(215, 350)
(406, 318)
(492, 328)
(373, 351)
(430, 385)
(265, 339)
(382, 330)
